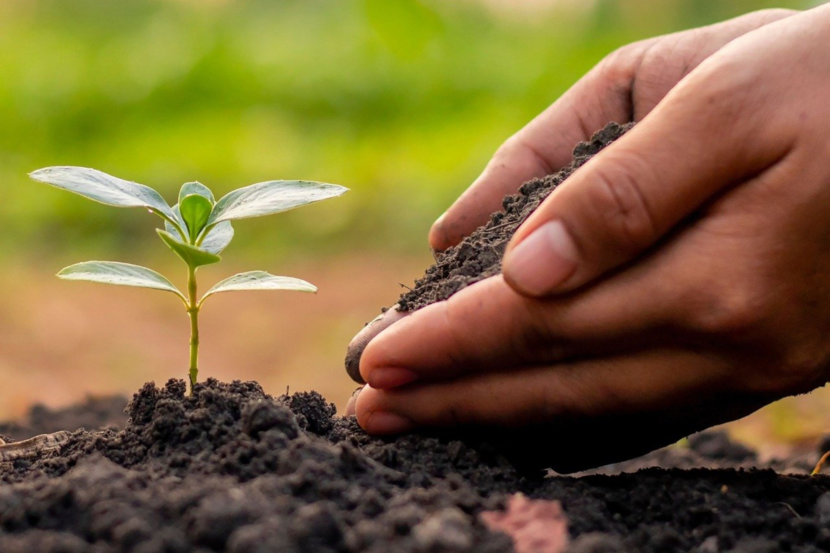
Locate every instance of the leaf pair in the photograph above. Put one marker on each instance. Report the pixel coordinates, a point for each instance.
(198, 228)
(256, 200)
(125, 274)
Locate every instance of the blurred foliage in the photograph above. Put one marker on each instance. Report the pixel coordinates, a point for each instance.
(401, 100)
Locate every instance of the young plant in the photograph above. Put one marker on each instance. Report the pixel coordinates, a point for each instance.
(197, 229)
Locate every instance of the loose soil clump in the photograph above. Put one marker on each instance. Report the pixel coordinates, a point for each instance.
(479, 255)
(231, 468)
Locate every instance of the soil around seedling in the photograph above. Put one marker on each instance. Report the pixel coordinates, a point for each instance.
(234, 469)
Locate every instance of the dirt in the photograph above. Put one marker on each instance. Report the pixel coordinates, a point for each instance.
(479, 255)
(94, 412)
(234, 469)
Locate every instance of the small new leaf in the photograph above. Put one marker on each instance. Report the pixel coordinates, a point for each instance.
(193, 256)
(259, 280)
(104, 188)
(194, 187)
(216, 240)
(173, 230)
(119, 274)
(195, 210)
(269, 197)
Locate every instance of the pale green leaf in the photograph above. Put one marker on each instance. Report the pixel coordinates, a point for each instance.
(259, 280)
(193, 256)
(195, 210)
(103, 188)
(265, 198)
(218, 238)
(194, 187)
(120, 274)
(173, 230)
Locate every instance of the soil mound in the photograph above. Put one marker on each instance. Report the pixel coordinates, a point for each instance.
(231, 468)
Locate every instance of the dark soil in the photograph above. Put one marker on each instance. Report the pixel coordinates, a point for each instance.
(233, 469)
(95, 413)
(479, 255)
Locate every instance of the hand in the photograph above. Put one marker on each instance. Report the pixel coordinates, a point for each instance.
(679, 279)
(624, 87)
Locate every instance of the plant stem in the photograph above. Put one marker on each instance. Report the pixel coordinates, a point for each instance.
(193, 313)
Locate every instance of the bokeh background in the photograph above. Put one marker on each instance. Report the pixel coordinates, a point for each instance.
(403, 101)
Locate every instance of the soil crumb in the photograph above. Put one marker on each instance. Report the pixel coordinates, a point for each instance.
(479, 255)
(233, 469)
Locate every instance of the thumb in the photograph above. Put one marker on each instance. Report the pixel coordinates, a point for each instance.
(699, 141)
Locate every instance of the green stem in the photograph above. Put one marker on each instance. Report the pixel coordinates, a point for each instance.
(193, 313)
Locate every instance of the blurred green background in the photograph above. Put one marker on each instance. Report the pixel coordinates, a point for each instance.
(403, 101)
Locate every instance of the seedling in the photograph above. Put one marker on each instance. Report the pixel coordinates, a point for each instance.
(198, 228)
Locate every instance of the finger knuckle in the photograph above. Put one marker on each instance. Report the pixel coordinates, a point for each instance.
(735, 311)
(619, 66)
(721, 87)
(617, 196)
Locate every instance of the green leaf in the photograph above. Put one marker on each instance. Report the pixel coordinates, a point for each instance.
(104, 188)
(120, 274)
(259, 280)
(218, 238)
(173, 230)
(195, 210)
(193, 256)
(265, 198)
(194, 187)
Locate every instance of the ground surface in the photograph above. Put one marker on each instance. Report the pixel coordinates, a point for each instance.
(232, 469)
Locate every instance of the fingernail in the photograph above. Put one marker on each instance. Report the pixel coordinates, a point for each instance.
(381, 422)
(437, 236)
(351, 405)
(362, 339)
(542, 261)
(391, 377)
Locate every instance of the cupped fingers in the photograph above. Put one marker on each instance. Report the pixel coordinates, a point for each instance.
(642, 381)
(569, 416)
(488, 327)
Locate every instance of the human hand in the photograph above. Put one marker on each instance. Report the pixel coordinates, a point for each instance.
(624, 87)
(721, 195)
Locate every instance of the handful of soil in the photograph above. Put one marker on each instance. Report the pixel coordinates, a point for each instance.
(479, 255)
